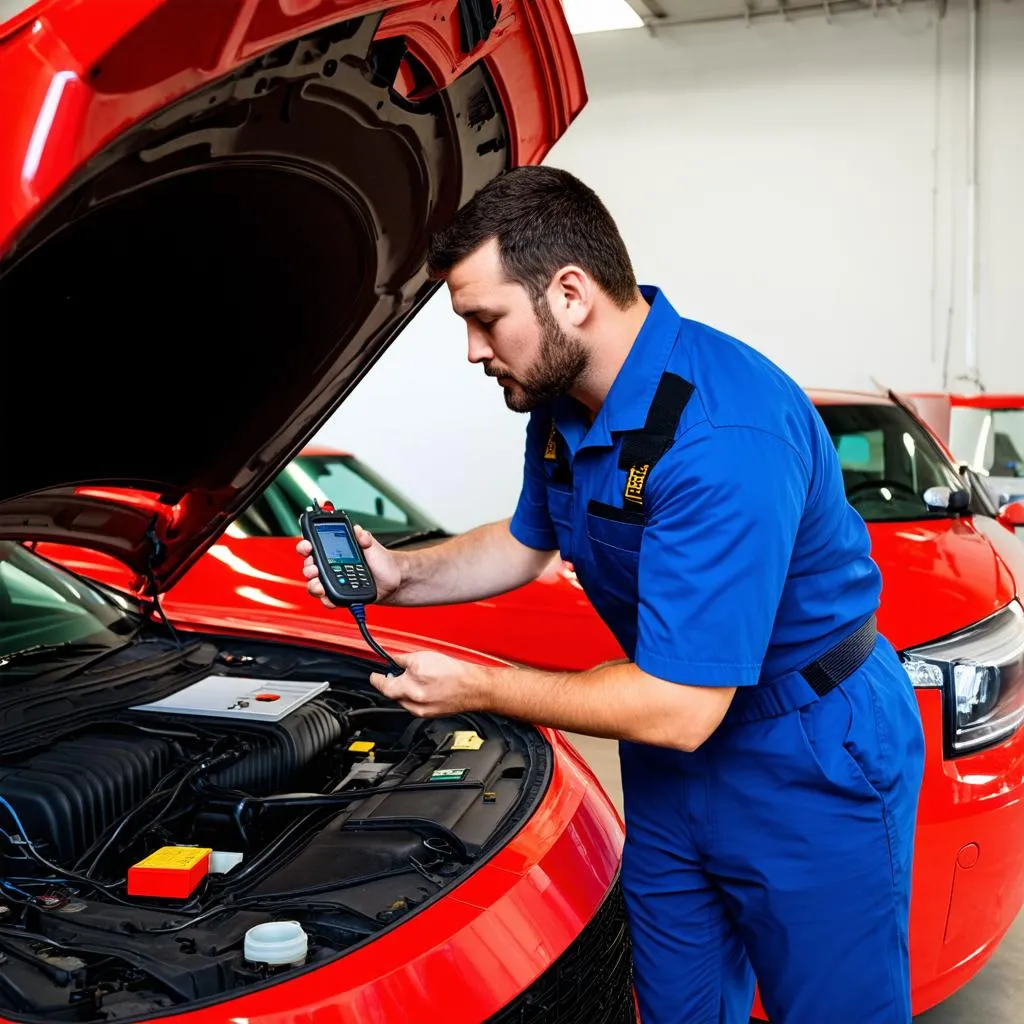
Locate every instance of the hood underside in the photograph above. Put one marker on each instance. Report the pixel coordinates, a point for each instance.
(203, 293)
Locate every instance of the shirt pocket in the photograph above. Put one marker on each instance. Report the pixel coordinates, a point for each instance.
(614, 536)
(619, 528)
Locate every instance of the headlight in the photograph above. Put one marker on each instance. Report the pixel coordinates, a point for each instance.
(981, 673)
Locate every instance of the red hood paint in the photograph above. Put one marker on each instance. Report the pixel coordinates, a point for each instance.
(988, 401)
(941, 576)
(254, 584)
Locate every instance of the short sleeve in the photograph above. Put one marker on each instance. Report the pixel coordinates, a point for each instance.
(531, 523)
(726, 505)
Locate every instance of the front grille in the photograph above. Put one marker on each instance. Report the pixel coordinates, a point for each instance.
(590, 983)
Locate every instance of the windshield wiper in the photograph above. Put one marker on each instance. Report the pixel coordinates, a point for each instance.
(434, 534)
(65, 649)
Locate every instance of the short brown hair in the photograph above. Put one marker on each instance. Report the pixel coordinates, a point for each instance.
(543, 219)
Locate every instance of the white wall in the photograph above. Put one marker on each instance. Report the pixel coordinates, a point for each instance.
(799, 184)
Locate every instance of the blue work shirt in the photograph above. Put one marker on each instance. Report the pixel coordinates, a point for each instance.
(748, 562)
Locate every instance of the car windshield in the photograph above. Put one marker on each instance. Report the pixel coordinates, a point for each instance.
(888, 461)
(342, 480)
(989, 439)
(45, 610)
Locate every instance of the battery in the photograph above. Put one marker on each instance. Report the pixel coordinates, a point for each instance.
(172, 872)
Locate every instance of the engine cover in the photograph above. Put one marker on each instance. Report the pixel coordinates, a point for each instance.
(67, 795)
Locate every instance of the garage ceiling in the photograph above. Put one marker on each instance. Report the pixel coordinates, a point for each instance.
(665, 13)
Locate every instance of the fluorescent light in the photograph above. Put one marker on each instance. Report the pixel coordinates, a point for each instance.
(599, 15)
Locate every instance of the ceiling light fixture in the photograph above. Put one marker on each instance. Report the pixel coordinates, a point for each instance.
(599, 15)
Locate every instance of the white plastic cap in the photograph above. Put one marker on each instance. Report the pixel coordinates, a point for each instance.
(276, 943)
(222, 861)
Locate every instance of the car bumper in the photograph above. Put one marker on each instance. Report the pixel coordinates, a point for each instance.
(968, 883)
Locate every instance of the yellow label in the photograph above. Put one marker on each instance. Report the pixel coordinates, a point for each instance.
(549, 452)
(361, 746)
(635, 484)
(467, 741)
(175, 858)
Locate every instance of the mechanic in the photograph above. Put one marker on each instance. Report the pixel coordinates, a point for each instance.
(770, 741)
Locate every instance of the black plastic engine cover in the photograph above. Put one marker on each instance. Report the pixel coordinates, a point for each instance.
(68, 794)
(335, 854)
(277, 749)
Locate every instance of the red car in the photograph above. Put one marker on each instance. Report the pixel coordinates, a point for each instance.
(952, 585)
(548, 623)
(222, 821)
(984, 431)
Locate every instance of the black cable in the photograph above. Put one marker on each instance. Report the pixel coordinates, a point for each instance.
(158, 791)
(152, 821)
(348, 796)
(167, 622)
(204, 764)
(266, 856)
(74, 876)
(256, 903)
(359, 614)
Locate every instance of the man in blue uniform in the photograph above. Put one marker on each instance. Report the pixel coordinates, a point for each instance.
(771, 746)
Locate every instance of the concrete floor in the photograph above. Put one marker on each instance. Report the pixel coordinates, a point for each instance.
(994, 996)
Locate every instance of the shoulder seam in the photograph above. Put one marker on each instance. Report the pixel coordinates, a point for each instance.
(758, 430)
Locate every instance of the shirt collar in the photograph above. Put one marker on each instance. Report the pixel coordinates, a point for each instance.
(630, 396)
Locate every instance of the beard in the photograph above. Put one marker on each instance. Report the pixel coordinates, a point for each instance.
(561, 363)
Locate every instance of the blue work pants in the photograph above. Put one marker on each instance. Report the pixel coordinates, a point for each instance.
(781, 849)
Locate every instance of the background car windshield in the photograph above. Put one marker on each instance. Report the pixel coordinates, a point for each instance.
(342, 479)
(41, 605)
(888, 461)
(989, 439)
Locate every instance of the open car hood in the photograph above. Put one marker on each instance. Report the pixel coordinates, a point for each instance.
(213, 220)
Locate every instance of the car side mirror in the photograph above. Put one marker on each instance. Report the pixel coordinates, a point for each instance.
(945, 499)
(1012, 515)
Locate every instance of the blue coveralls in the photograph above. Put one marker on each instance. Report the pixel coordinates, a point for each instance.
(782, 847)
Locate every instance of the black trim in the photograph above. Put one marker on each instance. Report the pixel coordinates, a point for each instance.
(590, 983)
(476, 20)
(616, 514)
(646, 446)
(839, 663)
(641, 449)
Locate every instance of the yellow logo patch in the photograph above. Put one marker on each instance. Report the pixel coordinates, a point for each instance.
(550, 454)
(635, 484)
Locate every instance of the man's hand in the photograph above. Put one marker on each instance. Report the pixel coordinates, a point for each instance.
(382, 563)
(433, 685)
(616, 700)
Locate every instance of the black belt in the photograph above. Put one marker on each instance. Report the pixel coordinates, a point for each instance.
(843, 660)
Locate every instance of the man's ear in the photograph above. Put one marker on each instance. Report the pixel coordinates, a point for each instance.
(572, 293)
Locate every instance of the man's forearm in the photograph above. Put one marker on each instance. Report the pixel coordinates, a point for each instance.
(475, 565)
(617, 701)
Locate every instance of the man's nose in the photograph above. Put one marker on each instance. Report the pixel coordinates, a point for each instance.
(479, 348)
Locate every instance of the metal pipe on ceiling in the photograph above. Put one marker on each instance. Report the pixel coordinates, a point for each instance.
(785, 9)
(971, 233)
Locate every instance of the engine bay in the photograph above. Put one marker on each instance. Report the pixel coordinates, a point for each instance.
(163, 853)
